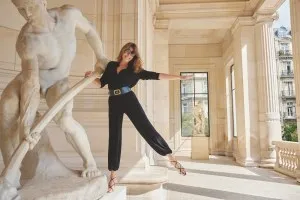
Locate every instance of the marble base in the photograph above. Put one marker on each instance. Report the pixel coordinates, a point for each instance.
(267, 163)
(151, 175)
(69, 188)
(119, 193)
(200, 148)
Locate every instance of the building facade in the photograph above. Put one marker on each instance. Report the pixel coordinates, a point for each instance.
(284, 59)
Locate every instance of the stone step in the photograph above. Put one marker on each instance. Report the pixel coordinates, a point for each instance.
(118, 194)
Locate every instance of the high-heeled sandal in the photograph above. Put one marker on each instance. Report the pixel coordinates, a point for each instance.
(179, 167)
(111, 184)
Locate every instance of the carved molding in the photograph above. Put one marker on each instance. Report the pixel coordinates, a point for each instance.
(265, 18)
(190, 10)
(242, 21)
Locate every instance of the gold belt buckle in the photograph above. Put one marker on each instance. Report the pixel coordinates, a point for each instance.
(117, 92)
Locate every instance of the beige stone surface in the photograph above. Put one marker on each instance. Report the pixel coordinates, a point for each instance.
(73, 187)
(200, 148)
(8, 45)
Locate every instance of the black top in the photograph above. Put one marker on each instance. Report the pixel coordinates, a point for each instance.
(126, 77)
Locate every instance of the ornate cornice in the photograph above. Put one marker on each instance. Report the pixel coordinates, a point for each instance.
(195, 10)
(268, 6)
(264, 17)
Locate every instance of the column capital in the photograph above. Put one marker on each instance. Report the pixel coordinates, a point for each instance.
(262, 18)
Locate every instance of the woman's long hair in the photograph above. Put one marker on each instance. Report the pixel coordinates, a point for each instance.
(136, 62)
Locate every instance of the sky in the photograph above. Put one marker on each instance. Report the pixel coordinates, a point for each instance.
(284, 16)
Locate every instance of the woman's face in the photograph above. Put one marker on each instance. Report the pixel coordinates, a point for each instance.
(128, 55)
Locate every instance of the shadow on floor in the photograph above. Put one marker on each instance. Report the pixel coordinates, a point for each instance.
(262, 175)
(212, 193)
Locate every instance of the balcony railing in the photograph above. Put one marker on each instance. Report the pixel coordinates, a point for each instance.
(286, 73)
(288, 158)
(288, 93)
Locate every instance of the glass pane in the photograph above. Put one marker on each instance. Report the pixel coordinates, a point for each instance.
(232, 79)
(187, 121)
(187, 86)
(201, 115)
(194, 105)
(200, 82)
(234, 114)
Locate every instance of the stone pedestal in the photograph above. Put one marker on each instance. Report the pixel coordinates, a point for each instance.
(73, 187)
(120, 193)
(200, 150)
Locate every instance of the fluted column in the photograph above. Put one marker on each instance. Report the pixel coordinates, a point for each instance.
(295, 22)
(268, 106)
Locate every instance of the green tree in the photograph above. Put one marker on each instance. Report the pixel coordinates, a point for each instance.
(187, 124)
(290, 132)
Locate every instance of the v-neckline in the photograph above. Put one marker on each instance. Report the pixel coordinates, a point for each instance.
(120, 70)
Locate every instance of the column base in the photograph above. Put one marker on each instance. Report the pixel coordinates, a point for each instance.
(267, 163)
(246, 162)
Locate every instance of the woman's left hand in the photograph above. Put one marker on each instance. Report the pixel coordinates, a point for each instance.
(186, 77)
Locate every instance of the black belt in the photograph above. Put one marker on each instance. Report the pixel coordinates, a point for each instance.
(122, 90)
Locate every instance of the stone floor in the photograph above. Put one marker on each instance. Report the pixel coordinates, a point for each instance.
(222, 178)
(218, 178)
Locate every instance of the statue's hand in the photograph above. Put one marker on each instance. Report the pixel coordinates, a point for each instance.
(8, 192)
(33, 139)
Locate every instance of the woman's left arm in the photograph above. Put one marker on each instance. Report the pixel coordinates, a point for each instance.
(163, 76)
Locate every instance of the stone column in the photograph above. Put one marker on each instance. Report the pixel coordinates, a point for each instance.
(268, 104)
(246, 145)
(295, 22)
(161, 101)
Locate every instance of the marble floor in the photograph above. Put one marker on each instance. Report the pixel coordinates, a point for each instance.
(218, 178)
(221, 178)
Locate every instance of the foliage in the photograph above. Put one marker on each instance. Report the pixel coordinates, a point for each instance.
(290, 132)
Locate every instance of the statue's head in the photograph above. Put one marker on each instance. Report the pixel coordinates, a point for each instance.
(30, 9)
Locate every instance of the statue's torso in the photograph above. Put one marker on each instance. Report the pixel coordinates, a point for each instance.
(55, 50)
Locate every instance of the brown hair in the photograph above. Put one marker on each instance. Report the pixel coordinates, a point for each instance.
(136, 62)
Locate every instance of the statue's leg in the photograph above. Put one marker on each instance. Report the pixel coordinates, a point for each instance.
(75, 133)
(9, 114)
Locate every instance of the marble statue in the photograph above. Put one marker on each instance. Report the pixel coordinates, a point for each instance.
(199, 116)
(47, 46)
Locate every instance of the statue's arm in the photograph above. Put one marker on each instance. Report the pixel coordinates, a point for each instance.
(92, 36)
(30, 86)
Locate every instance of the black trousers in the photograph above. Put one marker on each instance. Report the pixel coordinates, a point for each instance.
(129, 104)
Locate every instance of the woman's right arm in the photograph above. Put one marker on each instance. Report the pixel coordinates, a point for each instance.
(96, 81)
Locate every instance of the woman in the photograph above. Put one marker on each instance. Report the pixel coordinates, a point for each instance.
(121, 76)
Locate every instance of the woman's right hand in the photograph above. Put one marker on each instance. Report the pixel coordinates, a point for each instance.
(88, 74)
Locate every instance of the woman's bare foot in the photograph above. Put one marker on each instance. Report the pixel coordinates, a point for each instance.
(112, 182)
(177, 165)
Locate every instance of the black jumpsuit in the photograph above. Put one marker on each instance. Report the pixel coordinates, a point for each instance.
(128, 103)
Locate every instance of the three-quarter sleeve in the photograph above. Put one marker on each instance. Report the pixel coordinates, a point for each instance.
(106, 74)
(148, 75)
